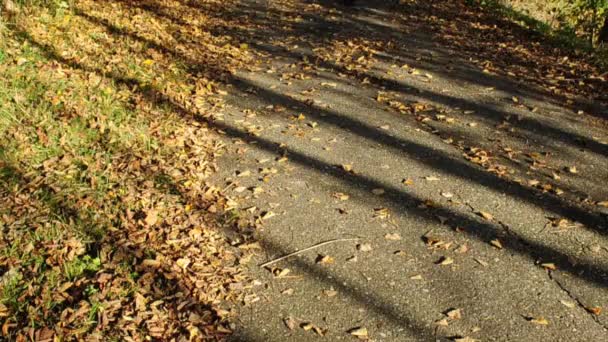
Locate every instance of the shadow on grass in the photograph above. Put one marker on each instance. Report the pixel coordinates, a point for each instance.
(397, 198)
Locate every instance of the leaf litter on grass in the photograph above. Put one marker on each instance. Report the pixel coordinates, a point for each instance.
(109, 227)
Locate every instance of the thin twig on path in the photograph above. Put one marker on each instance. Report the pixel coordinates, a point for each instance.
(268, 263)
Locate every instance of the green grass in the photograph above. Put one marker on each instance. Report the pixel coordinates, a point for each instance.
(564, 38)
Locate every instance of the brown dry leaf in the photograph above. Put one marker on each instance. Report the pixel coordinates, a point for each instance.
(151, 217)
(603, 204)
(408, 181)
(572, 169)
(432, 178)
(416, 277)
(596, 310)
(290, 323)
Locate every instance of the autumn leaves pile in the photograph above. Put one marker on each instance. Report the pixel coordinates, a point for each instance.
(108, 224)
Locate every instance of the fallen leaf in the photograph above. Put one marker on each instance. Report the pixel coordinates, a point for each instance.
(151, 217)
(431, 178)
(364, 247)
(358, 331)
(442, 322)
(538, 320)
(568, 303)
(454, 314)
(481, 262)
(465, 339)
(596, 310)
(183, 263)
(496, 243)
(266, 215)
(409, 181)
(462, 249)
(416, 277)
(341, 196)
(330, 293)
(290, 323)
(444, 261)
(549, 266)
(447, 194)
(325, 259)
(392, 236)
(485, 215)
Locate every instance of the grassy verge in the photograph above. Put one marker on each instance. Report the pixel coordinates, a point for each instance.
(106, 220)
(565, 37)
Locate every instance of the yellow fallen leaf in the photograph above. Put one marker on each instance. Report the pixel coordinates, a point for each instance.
(409, 181)
(359, 332)
(183, 263)
(568, 303)
(341, 196)
(549, 266)
(444, 261)
(496, 243)
(325, 259)
(454, 314)
(539, 321)
(485, 215)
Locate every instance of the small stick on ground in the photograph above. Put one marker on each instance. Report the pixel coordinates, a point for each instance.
(268, 263)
